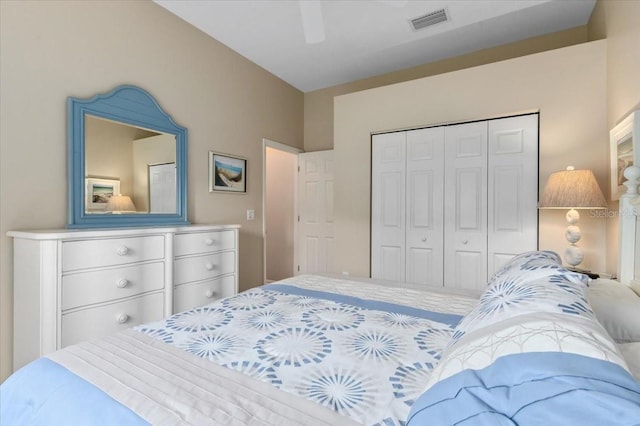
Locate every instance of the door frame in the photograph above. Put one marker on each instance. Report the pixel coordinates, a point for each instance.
(268, 143)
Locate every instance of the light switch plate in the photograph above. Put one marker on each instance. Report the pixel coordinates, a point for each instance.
(251, 214)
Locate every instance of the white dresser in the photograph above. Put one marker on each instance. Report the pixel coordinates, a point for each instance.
(74, 285)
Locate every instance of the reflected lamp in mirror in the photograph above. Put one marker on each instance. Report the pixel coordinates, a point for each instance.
(119, 204)
(572, 189)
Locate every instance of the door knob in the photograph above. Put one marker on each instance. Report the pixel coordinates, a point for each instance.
(122, 318)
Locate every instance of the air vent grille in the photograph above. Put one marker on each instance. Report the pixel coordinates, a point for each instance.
(429, 19)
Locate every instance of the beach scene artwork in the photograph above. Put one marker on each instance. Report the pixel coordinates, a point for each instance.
(102, 193)
(98, 192)
(228, 173)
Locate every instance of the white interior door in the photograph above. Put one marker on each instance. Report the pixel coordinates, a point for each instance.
(162, 188)
(424, 212)
(465, 205)
(315, 212)
(388, 233)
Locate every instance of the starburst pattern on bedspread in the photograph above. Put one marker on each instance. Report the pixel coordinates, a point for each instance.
(364, 363)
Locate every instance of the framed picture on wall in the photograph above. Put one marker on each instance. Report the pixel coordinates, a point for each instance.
(227, 173)
(625, 151)
(98, 192)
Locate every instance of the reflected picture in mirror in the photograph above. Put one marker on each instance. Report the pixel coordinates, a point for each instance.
(142, 161)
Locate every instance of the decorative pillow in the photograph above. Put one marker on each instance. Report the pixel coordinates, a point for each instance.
(617, 307)
(534, 265)
(508, 299)
(531, 346)
(530, 283)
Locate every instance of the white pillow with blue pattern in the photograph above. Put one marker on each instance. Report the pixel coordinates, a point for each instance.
(530, 282)
(532, 265)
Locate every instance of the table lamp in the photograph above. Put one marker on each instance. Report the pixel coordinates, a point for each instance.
(118, 204)
(572, 189)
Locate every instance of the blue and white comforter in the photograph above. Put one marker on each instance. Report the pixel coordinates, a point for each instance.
(365, 358)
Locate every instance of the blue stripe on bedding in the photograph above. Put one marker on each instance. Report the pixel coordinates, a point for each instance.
(39, 394)
(535, 388)
(449, 319)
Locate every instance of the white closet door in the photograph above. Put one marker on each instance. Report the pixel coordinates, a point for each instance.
(465, 206)
(513, 188)
(315, 198)
(424, 212)
(388, 206)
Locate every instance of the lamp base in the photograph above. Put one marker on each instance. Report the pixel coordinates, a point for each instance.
(573, 255)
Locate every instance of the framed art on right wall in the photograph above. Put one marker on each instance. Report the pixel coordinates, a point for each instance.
(625, 150)
(227, 173)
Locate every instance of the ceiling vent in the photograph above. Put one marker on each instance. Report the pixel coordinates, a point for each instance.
(429, 19)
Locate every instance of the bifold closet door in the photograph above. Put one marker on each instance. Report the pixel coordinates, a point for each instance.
(451, 204)
(388, 159)
(513, 188)
(424, 213)
(465, 205)
(407, 217)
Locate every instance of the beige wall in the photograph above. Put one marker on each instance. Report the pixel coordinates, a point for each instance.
(108, 151)
(566, 85)
(51, 50)
(619, 22)
(318, 105)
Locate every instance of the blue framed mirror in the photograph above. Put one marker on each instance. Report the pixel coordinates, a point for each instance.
(127, 162)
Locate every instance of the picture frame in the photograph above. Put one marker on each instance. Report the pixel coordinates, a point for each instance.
(98, 191)
(227, 173)
(624, 140)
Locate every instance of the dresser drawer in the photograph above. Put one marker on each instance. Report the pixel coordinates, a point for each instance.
(105, 285)
(110, 251)
(187, 296)
(198, 268)
(108, 319)
(204, 242)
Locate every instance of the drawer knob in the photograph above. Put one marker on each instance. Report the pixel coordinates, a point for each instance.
(122, 283)
(208, 242)
(209, 294)
(122, 250)
(424, 239)
(122, 318)
(209, 266)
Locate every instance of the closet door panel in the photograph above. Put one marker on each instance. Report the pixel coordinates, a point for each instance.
(465, 206)
(424, 213)
(388, 206)
(513, 188)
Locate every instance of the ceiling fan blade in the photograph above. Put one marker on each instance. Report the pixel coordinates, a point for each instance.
(312, 20)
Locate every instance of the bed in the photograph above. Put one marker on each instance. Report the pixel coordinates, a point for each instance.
(540, 345)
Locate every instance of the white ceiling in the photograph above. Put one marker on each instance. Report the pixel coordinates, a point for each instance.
(370, 37)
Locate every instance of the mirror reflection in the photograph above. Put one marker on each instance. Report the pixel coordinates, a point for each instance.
(128, 169)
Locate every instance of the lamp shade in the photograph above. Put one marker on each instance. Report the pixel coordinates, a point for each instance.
(572, 189)
(120, 203)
